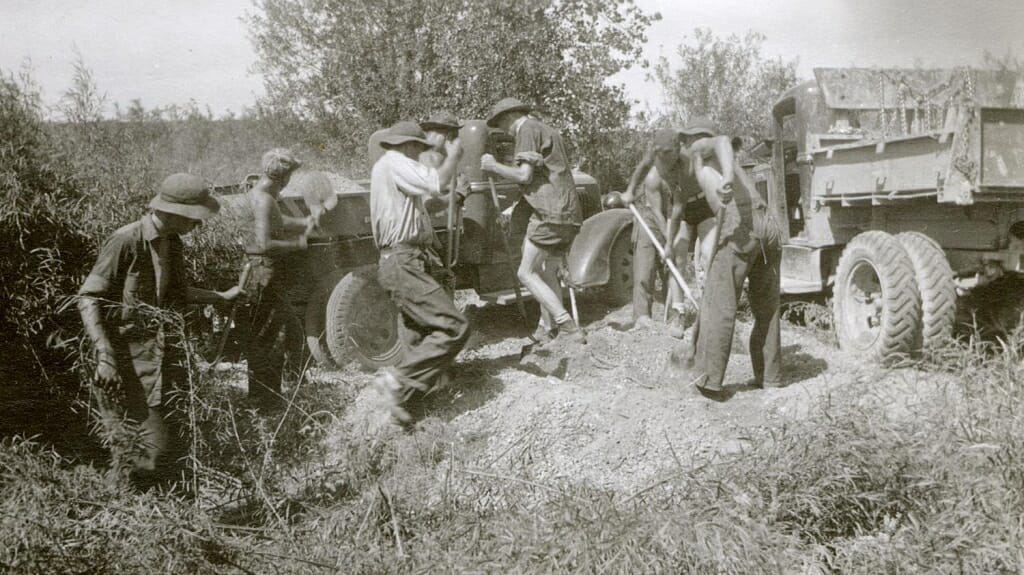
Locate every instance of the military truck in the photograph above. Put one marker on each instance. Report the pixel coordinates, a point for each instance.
(900, 190)
(346, 314)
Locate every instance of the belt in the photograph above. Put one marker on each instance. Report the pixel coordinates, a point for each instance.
(699, 196)
(263, 258)
(402, 248)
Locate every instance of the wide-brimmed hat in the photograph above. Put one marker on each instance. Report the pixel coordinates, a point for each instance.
(699, 125)
(402, 132)
(185, 195)
(505, 105)
(441, 121)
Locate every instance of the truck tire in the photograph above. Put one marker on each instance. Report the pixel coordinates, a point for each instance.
(316, 325)
(619, 289)
(876, 304)
(362, 321)
(934, 279)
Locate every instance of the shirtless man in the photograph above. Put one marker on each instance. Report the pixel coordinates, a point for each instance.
(668, 168)
(747, 249)
(274, 235)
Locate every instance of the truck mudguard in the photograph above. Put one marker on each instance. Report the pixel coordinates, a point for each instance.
(588, 257)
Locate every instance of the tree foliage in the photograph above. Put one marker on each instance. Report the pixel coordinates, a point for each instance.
(728, 79)
(353, 66)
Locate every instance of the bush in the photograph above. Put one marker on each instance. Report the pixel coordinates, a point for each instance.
(46, 247)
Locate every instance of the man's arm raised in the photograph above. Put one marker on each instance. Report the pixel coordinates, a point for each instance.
(265, 244)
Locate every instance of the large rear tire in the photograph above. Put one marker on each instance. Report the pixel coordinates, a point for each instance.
(362, 321)
(934, 279)
(619, 289)
(876, 304)
(316, 324)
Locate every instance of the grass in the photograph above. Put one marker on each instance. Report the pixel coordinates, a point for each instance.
(860, 486)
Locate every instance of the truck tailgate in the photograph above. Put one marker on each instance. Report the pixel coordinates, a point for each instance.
(1002, 148)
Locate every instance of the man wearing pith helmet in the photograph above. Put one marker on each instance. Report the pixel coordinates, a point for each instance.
(432, 330)
(138, 277)
(542, 168)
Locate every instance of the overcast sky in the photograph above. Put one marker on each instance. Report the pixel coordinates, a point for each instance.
(171, 51)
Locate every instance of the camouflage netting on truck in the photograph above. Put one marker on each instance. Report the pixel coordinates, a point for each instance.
(888, 102)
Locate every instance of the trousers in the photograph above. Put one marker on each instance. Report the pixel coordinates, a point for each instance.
(714, 331)
(645, 264)
(432, 330)
(150, 442)
(273, 341)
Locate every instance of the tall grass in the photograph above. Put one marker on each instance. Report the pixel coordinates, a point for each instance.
(926, 478)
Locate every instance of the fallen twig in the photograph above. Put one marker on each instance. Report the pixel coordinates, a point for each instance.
(394, 520)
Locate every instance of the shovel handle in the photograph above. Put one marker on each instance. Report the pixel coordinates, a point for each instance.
(242, 280)
(664, 256)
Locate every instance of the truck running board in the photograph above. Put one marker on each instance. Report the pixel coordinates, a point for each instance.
(505, 297)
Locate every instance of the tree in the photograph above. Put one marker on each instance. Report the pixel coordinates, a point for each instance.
(728, 79)
(352, 66)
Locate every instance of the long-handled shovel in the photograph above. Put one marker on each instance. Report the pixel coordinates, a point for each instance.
(508, 252)
(242, 280)
(664, 256)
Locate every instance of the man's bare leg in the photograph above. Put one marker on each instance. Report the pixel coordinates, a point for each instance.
(532, 275)
(549, 273)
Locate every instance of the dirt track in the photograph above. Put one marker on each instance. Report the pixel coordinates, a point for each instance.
(616, 420)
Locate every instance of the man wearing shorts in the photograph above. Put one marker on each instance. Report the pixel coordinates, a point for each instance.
(542, 168)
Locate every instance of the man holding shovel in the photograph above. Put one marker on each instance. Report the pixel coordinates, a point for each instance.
(433, 331)
(274, 236)
(673, 197)
(748, 248)
(440, 128)
(542, 168)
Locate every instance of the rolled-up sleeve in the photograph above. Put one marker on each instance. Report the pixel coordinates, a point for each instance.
(414, 179)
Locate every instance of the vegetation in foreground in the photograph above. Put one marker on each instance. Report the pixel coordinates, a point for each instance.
(850, 489)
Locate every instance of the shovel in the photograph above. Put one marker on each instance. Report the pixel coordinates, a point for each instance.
(664, 257)
(242, 280)
(508, 251)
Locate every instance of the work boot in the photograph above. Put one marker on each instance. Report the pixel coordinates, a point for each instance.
(644, 323)
(542, 335)
(569, 332)
(388, 385)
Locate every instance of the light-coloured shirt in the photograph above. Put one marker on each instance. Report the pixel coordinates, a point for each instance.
(398, 187)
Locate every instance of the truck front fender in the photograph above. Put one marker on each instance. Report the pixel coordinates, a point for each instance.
(589, 254)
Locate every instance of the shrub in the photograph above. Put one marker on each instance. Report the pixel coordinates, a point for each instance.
(46, 248)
